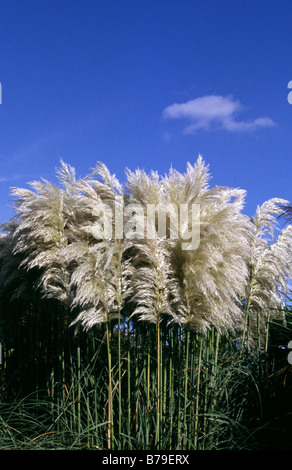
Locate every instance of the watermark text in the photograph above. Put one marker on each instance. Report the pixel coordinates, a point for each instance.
(133, 221)
(289, 97)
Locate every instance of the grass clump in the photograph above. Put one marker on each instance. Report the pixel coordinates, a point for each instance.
(133, 342)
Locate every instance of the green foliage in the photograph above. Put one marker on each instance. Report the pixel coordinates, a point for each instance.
(211, 396)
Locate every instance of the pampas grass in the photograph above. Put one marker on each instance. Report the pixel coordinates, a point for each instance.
(269, 269)
(133, 342)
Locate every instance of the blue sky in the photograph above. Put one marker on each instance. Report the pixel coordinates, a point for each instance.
(148, 84)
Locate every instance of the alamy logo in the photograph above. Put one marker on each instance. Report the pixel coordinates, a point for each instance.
(290, 353)
(174, 221)
(289, 97)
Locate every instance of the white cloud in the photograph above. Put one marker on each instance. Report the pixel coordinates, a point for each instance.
(7, 179)
(213, 111)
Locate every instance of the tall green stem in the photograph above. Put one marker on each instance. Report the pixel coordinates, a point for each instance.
(158, 417)
(79, 386)
(186, 389)
(120, 380)
(129, 382)
(110, 411)
(171, 391)
(267, 333)
(148, 386)
(197, 396)
(215, 368)
(246, 327)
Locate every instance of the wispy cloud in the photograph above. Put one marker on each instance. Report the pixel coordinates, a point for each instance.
(7, 179)
(214, 111)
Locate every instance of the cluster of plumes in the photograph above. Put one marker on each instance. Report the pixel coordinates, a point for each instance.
(238, 268)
